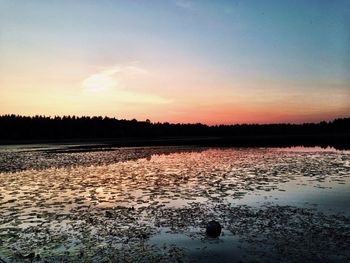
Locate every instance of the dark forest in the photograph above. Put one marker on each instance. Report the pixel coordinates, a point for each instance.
(15, 128)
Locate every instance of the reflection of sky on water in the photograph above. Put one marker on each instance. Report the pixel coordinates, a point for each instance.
(326, 197)
(299, 176)
(149, 189)
(225, 249)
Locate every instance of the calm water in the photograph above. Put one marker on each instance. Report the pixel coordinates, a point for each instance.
(152, 204)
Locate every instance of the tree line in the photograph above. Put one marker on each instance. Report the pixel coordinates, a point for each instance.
(16, 127)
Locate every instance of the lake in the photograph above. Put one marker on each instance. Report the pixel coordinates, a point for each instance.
(60, 203)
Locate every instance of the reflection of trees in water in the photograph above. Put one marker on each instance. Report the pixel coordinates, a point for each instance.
(335, 133)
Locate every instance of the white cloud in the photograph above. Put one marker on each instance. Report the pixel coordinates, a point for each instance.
(110, 78)
(111, 83)
(125, 70)
(98, 82)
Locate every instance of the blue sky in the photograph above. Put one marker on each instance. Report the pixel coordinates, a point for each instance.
(251, 57)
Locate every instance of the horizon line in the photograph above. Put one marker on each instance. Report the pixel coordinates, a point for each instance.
(171, 123)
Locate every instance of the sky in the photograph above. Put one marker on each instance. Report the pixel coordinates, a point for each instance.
(214, 62)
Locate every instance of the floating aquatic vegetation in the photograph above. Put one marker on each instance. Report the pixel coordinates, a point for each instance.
(110, 205)
(41, 157)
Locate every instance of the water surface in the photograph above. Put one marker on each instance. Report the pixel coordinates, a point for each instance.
(152, 204)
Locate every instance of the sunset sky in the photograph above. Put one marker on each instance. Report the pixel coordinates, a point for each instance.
(176, 60)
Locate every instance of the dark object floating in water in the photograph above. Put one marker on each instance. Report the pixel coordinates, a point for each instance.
(213, 229)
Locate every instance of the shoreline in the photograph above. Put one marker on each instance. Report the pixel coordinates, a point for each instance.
(338, 141)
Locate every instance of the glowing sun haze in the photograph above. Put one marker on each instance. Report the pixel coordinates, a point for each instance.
(177, 61)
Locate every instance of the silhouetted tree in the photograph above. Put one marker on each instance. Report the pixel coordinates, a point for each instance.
(16, 127)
